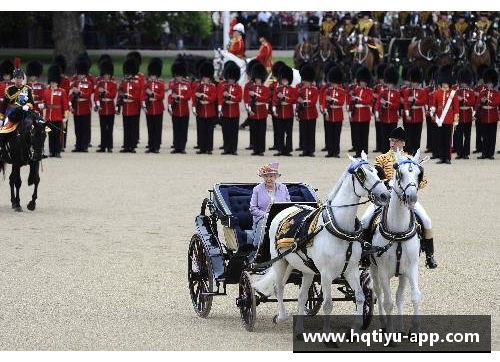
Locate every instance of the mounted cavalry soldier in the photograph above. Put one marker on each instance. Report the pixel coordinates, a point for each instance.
(265, 54)
(461, 27)
(237, 45)
(366, 27)
(385, 166)
(16, 95)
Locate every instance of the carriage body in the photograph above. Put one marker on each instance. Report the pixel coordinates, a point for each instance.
(221, 252)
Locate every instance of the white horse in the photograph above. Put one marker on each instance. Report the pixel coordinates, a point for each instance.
(328, 251)
(396, 235)
(222, 56)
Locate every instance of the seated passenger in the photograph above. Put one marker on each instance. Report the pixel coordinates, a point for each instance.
(265, 194)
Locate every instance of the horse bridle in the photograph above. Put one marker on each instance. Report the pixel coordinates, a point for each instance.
(402, 197)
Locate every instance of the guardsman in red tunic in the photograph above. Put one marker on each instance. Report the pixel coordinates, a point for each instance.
(154, 96)
(307, 110)
(81, 90)
(488, 104)
(6, 69)
(179, 94)
(104, 100)
(60, 60)
(415, 102)
(272, 83)
(467, 101)
(138, 58)
(229, 96)
(256, 97)
(445, 106)
(34, 70)
(247, 106)
(55, 102)
(265, 54)
(204, 107)
(328, 65)
(377, 90)
(387, 106)
(430, 88)
(237, 44)
(477, 121)
(283, 101)
(360, 104)
(332, 106)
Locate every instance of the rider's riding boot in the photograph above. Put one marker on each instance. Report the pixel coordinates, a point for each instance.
(428, 247)
(365, 260)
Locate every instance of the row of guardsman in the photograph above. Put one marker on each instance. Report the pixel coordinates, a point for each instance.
(448, 101)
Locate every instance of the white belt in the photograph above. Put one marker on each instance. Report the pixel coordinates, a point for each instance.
(336, 107)
(488, 107)
(465, 108)
(107, 99)
(128, 100)
(83, 99)
(417, 107)
(361, 106)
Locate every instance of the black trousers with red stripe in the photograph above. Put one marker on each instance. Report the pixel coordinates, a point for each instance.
(155, 125)
(55, 137)
(180, 127)
(106, 123)
(332, 137)
(360, 132)
(230, 133)
(130, 132)
(82, 132)
(444, 134)
(284, 128)
(461, 139)
(413, 136)
(489, 138)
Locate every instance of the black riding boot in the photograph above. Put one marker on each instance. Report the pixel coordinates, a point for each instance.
(428, 247)
(367, 238)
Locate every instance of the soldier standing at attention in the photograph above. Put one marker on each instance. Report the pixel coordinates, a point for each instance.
(178, 106)
(104, 100)
(154, 96)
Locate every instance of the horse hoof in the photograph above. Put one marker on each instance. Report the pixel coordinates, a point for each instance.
(331, 344)
(277, 320)
(31, 206)
(18, 209)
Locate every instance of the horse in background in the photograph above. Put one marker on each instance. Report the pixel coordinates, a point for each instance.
(303, 53)
(326, 52)
(480, 53)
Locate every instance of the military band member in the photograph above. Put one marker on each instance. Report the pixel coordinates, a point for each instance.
(229, 96)
(283, 101)
(360, 107)
(204, 107)
(154, 96)
(415, 102)
(55, 102)
(306, 109)
(387, 105)
(256, 97)
(489, 106)
(129, 103)
(332, 106)
(445, 106)
(104, 100)
(34, 70)
(467, 100)
(237, 44)
(179, 95)
(385, 166)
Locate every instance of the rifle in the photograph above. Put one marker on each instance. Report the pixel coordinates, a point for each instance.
(75, 96)
(201, 88)
(121, 97)
(147, 101)
(253, 99)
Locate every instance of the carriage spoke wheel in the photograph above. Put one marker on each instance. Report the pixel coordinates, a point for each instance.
(314, 299)
(200, 277)
(246, 302)
(365, 280)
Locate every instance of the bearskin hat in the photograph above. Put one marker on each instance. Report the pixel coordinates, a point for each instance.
(54, 74)
(179, 69)
(34, 68)
(60, 60)
(307, 73)
(391, 75)
(135, 55)
(104, 57)
(405, 72)
(490, 75)
(465, 76)
(259, 72)
(130, 67)
(7, 67)
(415, 75)
(207, 69)
(106, 67)
(231, 71)
(277, 67)
(82, 65)
(286, 73)
(263, 31)
(335, 75)
(380, 70)
(251, 64)
(363, 75)
(445, 75)
(155, 67)
(328, 65)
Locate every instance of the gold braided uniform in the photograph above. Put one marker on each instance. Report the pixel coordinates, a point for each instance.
(461, 28)
(443, 26)
(348, 28)
(327, 27)
(483, 25)
(386, 162)
(363, 27)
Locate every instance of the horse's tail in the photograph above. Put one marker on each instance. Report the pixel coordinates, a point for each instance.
(266, 284)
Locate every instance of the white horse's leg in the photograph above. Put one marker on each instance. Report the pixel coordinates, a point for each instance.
(280, 269)
(353, 278)
(416, 296)
(378, 294)
(400, 295)
(326, 286)
(307, 280)
(385, 284)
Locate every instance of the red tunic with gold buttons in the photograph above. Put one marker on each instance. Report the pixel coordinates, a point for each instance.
(361, 108)
(106, 103)
(133, 96)
(289, 96)
(334, 106)
(489, 105)
(205, 106)
(180, 107)
(417, 105)
(229, 110)
(85, 89)
(388, 112)
(56, 104)
(467, 102)
(265, 56)
(155, 106)
(37, 89)
(309, 95)
(440, 99)
(261, 100)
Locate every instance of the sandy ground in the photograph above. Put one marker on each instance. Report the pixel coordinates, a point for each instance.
(102, 263)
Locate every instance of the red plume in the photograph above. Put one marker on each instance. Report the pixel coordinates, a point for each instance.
(17, 63)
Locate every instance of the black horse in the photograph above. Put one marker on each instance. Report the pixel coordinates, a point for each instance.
(23, 146)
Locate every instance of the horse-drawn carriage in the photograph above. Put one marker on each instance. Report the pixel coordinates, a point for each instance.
(216, 259)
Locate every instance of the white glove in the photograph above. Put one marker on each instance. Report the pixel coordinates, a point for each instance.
(376, 115)
(65, 120)
(41, 106)
(26, 108)
(439, 124)
(407, 113)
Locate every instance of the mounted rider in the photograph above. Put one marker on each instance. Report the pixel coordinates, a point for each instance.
(385, 167)
(484, 26)
(18, 95)
(366, 27)
(237, 45)
(265, 54)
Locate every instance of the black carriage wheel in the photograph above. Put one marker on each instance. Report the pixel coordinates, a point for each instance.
(365, 280)
(200, 277)
(247, 302)
(313, 305)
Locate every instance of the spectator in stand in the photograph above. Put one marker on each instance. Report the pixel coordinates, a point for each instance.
(301, 23)
(287, 22)
(264, 16)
